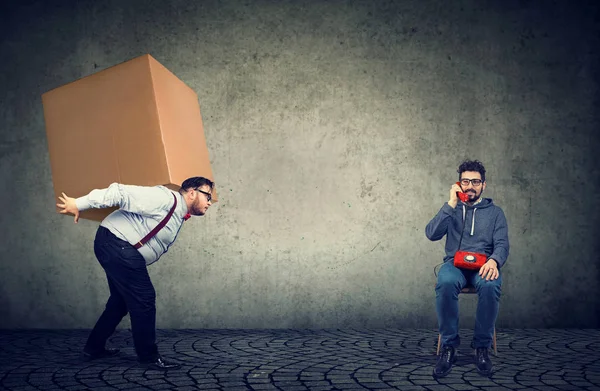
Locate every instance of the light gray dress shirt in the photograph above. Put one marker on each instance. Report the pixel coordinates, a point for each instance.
(141, 209)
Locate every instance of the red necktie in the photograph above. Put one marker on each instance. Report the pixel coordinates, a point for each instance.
(187, 216)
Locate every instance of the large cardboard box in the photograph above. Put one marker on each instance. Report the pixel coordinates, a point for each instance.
(135, 123)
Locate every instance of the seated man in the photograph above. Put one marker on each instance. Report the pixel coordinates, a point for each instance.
(478, 226)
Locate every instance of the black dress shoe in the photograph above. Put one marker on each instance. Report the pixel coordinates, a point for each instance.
(92, 355)
(483, 362)
(444, 362)
(161, 364)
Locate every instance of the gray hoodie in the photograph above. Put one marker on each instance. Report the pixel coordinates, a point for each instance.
(485, 231)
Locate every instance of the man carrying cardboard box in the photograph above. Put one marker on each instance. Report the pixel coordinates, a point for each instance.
(149, 217)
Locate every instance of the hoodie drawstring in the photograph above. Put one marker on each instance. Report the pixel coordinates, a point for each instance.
(473, 222)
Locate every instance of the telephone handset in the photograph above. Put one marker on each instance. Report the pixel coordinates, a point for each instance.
(464, 197)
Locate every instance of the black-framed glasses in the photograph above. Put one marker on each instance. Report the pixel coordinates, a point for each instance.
(208, 195)
(475, 182)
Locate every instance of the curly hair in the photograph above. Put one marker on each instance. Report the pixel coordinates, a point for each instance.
(195, 182)
(471, 165)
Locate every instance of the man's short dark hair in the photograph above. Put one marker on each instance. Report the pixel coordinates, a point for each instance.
(194, 183)
(472, 165)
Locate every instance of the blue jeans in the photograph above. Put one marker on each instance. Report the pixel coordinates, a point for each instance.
(450, 281)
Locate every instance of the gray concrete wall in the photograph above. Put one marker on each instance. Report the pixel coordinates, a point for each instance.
(335, 130)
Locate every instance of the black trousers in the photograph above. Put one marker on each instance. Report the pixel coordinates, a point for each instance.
(130, 291)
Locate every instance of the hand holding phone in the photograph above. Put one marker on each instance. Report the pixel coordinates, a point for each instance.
(456, 194)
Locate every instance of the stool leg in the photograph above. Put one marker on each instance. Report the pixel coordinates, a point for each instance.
(437, 353)
(495, 344)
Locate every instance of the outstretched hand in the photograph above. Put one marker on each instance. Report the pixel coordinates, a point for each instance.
(68, 206)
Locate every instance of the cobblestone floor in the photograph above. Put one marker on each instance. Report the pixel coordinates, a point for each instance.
(297, 360)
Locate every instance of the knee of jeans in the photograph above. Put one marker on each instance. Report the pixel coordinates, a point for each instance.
(488, 288)
(447, 284)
